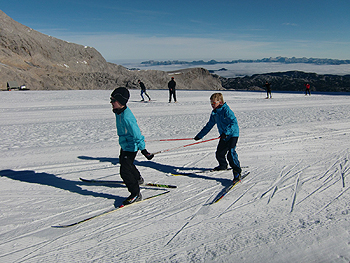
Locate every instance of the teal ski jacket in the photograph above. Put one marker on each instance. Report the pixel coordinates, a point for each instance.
(225, 120)
(130, 137)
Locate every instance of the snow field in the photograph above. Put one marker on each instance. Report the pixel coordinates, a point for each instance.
(293, 207)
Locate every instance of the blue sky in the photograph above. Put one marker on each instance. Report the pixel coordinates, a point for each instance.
(189, 30)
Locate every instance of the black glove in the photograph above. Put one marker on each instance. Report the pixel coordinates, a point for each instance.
(223, 136)
(148, 155)
(196, 138)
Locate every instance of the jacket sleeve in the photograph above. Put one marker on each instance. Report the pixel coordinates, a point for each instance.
(210, 124)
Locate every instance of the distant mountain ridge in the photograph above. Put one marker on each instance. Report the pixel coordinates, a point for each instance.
(286, 60)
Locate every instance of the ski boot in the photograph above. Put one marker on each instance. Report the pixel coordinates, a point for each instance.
(132, 199)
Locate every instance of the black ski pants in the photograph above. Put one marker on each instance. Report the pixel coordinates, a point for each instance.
(129, 172)
(227, 148)
(172, 93)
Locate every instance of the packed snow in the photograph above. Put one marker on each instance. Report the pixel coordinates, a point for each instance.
(292, 207)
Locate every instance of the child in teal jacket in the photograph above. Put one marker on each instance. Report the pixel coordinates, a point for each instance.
(228, 129)
(130, 140)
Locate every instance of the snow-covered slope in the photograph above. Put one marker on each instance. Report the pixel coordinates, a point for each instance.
(293, 207)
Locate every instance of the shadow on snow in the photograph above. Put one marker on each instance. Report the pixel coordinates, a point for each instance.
(57, 182)
(52, 180)
(164, 168)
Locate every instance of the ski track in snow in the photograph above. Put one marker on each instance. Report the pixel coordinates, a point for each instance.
(296, 195)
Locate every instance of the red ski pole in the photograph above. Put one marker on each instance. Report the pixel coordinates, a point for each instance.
(168, 140)
(183, 146)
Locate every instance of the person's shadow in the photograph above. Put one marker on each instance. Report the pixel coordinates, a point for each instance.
(52, 180)
(57, 182)
(167, 169)
(164, 168)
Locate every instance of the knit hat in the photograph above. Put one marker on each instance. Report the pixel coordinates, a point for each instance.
(121, 95)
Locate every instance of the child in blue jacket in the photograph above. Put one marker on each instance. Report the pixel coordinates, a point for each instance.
(131, 140)
(228, 128)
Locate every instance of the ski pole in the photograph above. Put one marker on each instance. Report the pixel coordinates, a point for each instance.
(185, 145)
(167, 140)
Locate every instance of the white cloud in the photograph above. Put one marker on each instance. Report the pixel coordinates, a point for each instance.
(124, 46)
(289, 24)
(121, 46)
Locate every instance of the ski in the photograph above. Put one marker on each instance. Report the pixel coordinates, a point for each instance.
(204, 171)
(227, 189)
(96, 181)
(107, 212)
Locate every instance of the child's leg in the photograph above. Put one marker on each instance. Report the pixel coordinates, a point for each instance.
(220, 154)
(129, 172)
(232, 156)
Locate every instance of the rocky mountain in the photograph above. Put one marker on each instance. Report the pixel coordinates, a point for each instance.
(43, 62)
(290, 81)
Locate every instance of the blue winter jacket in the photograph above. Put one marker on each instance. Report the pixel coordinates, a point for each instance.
(225, 120)
(130, 137)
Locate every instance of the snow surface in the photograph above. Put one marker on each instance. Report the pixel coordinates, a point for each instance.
(293, 207)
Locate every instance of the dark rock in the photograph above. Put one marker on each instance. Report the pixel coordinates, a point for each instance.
(290, 81)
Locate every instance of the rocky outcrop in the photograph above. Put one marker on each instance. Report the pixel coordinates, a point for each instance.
(290, 81)
(43, 62)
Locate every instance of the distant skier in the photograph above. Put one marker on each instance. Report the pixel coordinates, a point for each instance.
(172, 91)
(131, 140)
(228, 128)
(307, 89)
(143, 91)
(268, 90)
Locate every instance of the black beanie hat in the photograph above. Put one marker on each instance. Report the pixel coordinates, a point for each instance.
(121, 95)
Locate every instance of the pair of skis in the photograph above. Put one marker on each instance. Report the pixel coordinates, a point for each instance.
(224, 191)
(107, 212)
(204, 171)
(216, 199)
(114, 182)
(228, 188)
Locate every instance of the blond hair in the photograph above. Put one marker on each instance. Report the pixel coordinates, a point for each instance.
(217, 97)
